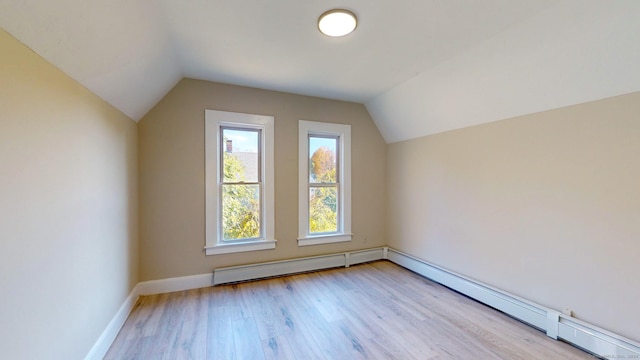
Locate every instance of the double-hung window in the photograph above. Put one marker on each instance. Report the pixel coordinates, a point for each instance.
(324, 183)
(239, 182)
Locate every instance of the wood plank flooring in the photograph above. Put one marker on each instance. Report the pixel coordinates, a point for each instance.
(370, 311)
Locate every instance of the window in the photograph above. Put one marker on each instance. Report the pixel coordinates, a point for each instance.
(324, 183)
(239, 182)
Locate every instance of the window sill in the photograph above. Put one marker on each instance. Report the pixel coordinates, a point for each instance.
(240, 247)
(324, 239)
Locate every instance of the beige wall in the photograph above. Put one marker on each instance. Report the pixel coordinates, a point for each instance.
(68, 210)
(545, 206)
(171, 147)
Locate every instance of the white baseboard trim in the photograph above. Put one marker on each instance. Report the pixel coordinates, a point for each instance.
(102, 345)
(285, 267)
(558, 326)
(175, 284)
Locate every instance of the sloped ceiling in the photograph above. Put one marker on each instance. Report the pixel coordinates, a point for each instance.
(419, 66)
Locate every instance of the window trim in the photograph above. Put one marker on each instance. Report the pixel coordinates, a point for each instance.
(214, 121)
(343, 133)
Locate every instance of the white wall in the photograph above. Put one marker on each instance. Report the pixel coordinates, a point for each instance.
(68, 210)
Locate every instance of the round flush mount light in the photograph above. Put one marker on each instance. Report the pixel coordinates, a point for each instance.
(337, 22)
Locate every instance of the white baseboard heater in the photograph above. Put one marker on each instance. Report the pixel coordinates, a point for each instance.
(556, 325)
(293, 266)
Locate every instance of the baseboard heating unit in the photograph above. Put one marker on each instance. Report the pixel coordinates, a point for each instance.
(555, 324)
(591, 338)
(293, 266)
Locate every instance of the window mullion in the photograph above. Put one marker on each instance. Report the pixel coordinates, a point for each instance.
(323, 184)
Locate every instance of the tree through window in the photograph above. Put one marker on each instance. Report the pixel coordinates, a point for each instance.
(241, 183)
(323, 184)
(239, 174)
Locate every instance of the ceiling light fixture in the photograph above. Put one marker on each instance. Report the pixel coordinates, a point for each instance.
(337, 22)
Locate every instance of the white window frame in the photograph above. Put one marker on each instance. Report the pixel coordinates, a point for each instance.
(214, 121)
(343, 133)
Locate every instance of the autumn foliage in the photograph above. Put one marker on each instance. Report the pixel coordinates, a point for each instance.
(323, 206)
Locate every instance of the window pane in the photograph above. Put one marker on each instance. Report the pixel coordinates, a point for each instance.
(322, 159)
(323, 209)
(240, 212)
(241, 156)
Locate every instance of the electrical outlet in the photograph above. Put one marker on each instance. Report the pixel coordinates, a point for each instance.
(567, 312)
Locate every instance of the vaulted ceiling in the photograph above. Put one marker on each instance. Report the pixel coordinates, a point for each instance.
(419, 66)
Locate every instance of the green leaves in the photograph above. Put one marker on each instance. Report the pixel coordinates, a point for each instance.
(240, 203)
(323, 214)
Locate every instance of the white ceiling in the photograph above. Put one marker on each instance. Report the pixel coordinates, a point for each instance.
(419, 66)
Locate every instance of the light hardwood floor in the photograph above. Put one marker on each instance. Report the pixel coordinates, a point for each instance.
(370, 311)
